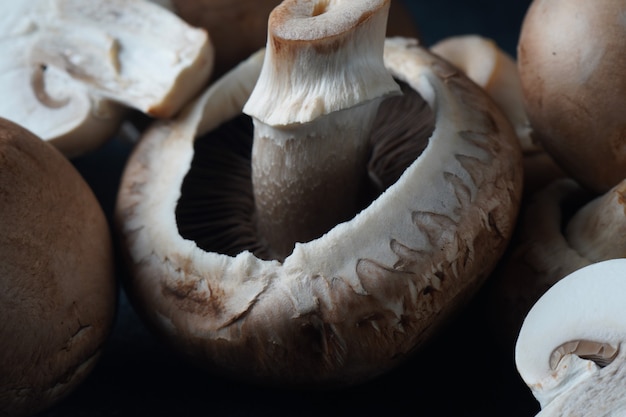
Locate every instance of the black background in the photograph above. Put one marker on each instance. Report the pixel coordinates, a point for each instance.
(461, 373)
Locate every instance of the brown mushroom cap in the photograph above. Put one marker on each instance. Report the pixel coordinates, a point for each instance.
(56, 273)
(358, 300)
(572, 62)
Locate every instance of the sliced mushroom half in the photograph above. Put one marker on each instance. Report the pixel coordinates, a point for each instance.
(363, 293)
(70, 67)
(570, 349)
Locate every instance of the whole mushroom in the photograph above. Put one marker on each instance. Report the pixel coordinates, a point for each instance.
(56, 273)
(263, 247)
(571, 58)
(570, 350)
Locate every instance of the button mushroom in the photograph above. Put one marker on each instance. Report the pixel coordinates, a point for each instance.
(343, 296)
(570, 349)
(56, 273)
(72, 66)
(571, 58)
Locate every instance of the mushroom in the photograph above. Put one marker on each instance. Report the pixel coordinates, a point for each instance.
(563, 228)
(72, 67)
(571, 58)
(339, 299)
(570, 350)
(494, 70)
(56, 273)
(239, 28)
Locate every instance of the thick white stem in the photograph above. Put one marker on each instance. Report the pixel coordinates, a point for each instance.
(322, 56)
(313, 106)
(301, 188)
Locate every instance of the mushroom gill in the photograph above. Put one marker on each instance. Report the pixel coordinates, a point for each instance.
(600, 353)
(216, 207)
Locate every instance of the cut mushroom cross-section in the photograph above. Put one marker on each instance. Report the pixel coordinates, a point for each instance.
(70, 67)
(352, 303)
(570, 349)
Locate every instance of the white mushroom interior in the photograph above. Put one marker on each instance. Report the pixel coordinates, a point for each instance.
(70, 64)
(574, 335)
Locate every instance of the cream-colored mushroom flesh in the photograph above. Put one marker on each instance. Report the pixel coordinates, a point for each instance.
(239, 28)
(310, 140)
(71, 66)
(496, 71)
(570, 349)
(355, 301)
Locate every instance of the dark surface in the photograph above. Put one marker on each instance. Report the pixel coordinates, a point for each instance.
(461, 373)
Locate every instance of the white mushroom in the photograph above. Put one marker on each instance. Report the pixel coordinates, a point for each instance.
(70, 67)
(358, 299)
(570, 349)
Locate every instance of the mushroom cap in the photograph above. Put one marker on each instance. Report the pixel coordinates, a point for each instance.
(358, 300)
(570, 349)
(237, 28)
(563, 228)
(73, 67)
(539, 255)
(56, 273)
(571, 58)
(496, 71)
